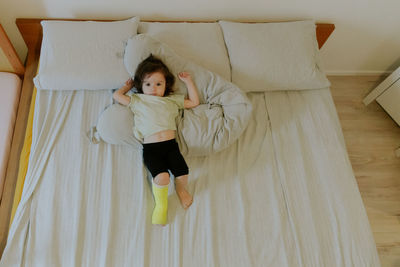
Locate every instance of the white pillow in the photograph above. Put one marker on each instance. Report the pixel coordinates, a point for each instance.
(202, 43)
(274, 56)
(84, 54)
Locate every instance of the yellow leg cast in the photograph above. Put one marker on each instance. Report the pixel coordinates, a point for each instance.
(160, 212)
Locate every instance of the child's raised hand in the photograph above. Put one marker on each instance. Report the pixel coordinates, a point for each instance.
(129, 83)
(185, 76)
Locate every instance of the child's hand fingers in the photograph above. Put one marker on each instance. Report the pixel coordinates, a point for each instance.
(184, 74)
(129, 82)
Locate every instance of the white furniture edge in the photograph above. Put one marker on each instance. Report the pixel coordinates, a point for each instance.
(382, 87)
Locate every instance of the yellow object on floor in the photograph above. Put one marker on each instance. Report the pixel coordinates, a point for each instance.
(24, 157)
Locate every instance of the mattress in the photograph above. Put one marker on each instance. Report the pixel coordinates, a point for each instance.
(284, 194)
(10, 87)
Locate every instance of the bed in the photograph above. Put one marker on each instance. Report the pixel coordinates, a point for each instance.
(286, 196)
(11, 72)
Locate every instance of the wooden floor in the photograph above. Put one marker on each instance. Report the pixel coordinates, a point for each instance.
(371, 137)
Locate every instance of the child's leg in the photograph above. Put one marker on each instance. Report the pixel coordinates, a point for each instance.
(160, 192)
(180, 169)
(162, 179)
(180, 187)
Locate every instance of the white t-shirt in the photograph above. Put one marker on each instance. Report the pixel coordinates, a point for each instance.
(153, 114)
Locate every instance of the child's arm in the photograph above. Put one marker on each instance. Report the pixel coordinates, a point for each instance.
(120, 96)
(193, 100)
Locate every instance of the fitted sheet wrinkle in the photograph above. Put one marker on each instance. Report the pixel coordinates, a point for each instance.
(42, 146)
(296, 258)
(322, 195)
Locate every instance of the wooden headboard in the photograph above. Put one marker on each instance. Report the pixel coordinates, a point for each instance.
(31, 31)
(10, 53)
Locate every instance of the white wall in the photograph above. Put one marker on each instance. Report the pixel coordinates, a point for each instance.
(4, 63)
(366, 39)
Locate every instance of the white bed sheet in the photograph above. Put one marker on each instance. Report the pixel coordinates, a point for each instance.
(283, 195)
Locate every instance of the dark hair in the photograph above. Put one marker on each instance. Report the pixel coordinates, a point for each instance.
(150, 65)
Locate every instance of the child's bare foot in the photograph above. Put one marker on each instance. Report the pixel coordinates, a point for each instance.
(185, 198)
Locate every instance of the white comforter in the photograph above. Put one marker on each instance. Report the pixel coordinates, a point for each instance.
(282, 195)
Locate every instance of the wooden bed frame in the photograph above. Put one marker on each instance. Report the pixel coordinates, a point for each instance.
(9, 51)
(31, 31)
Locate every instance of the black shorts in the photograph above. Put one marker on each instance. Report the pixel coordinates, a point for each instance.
(163, 156)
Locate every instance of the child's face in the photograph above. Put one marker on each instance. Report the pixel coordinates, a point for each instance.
(154, 84)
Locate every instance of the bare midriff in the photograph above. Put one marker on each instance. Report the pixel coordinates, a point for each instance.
(160, 137)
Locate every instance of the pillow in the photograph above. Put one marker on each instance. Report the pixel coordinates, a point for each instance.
(115, 124)
(84, 54)
(202, 43)
(210, 127)
(274, 56)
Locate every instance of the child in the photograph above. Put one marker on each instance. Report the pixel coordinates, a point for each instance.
(155, 110)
